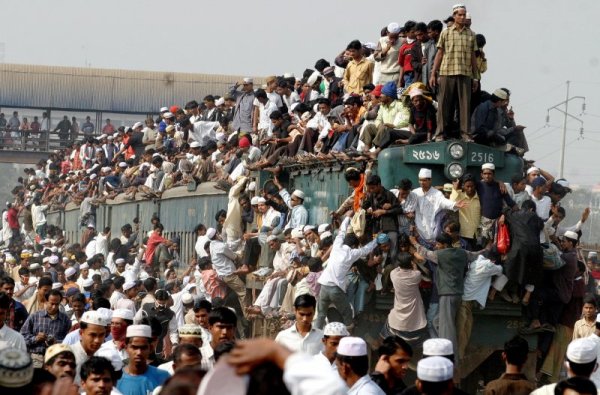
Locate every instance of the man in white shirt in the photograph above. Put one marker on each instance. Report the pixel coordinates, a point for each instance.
(38, 214)
(543, 203)
(333, 281)
(265, 108)
(332, 335)
(93, 331)
(9, 338)
(353, 367)
(303, 336)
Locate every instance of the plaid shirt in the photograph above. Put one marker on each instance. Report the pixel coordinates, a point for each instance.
(458, 47)
(41, 322)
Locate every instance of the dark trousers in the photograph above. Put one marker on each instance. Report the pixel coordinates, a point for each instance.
(455, 94)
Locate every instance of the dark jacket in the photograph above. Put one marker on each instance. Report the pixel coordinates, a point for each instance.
(387, 222)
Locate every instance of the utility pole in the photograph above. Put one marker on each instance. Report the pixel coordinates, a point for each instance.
(566, 114)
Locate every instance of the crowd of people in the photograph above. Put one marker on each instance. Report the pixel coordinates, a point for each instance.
(125, 314)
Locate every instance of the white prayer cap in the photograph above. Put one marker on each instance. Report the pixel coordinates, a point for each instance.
(194, 144)
(122, 164)
(35, 266)
(532, 169)
(105, 169)
(297, 234)
(54, 249)
(335, 329)
(56, 349)
(591, 254)
(457, 7)
(124, 314)
(351, 346)
(168, 114)
(187, 298)
(308, 228)
(84, 266)
(57, 285)
(248, 80)
(393, 28)
(94, 318)
(325, 234)
(137, 125)
(70, 271)
(93, 176)
(220, 101)
(190, 330)
(139, 331)
(53, 260)
(119, 261)
(210, 233)
(102, 137)
(370, 45)
(288, 75)
(262, 200)
(91, 225)
(128, 285)
(254, 201)
(16, 368)
(435, 369)
(46, 241)
(88, 282)
(110, 138)
(251, 186)
(322, 228)
(582, 351)
(45, 259)
(437, 347)
(293, 106)
(424, 173)
(112, 355)
(144, 275)
(164, 109)
(563, 183)
(569, 234)
(271, 238)
(299, 194)
(313, 78)
(488, 166)
(501, 94)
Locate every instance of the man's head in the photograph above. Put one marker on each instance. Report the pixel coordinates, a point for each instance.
(332, 335)
(434, 376)
(202, 309)
(589, 307)
(60, 361)
(569, 240)
(352, 176)
(581, 357)
(374, 184)
(397, 353)
(222, 322)
(53, 298)
(324, 106)
(304, 309)
(190, 334)
(97, 376)
(488, 171)
(92, 328)
(354, 49)
(518, 183)
(352, 359)
(515, 351)
(186, 356)
(4, 307)
(459, 13)
(7, 284)
(119, 322)
(138, 341)
(442, 241)
(425, 179)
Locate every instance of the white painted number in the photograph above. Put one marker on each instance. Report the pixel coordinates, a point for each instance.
(482, 157)
(425, 155)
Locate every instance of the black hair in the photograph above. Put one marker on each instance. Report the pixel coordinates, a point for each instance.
(260, 94)
(199, 227)
(429, 387)
(150, 284)
(581, 385)
(321, 65)
(266, 379)
(405, 184)
(203, 304)
(404, 260)
(351, 240)
(305, 301)
(44, 281)
(516, 350)
(582, 369)
(453, 225)
(53, 292)
(374, 179)
(223, 315)
(161, 294)
(517, 178)
(187, 349)
(209, 98)
(315, 264)
(352, 175)
(324, 100)
(354, 44)
(204, 263)
(78, 297)
(528, 205)
(391, 344)
(7, 280)
(443, 238)
(480, 40)
(220, 213)
(359, 365)
(421, 27)
(276, 115)
(4, 301)
(409, 25)
(119, 281)
(222, 349)
(96, 365)
(100, 302)
(23, 271)
(590, 299)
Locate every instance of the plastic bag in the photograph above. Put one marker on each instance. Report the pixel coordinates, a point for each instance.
(503, 239)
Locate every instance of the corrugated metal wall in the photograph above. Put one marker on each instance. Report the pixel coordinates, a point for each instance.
(106, 90)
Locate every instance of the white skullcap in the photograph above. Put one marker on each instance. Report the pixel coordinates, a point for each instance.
(254, 201)
(288, 75)
(248, 80)
(322, 228)
(563, 183)
(425, 173)
(313, 78)
(70, 271)
(88, 282)
(569, 234)
(271, 238)
(194, 144)
(110, 138)
(168, 114)
(35, 266)
(122, 164)
(124, 314)
(458, 6)
(164, 109)
(501, 94)
(84, 266)
(187, 298)
(370, 45)
(190, 330)
(210, 233)
(325, 234)
(94, 318)
(139, 331)
(53, 260)
(297, 234)
(582, 351)
(119, 261)
(91, 225)
(112, 355)
(137, 125)
(488, 166)
(351, 346)
(45, 259)
(57, 285)
(128, 285)
(251, 186)
(532, 169)
(101, 137)
(335, 329)
(437, 347)
(591, 254)
(262, 200)
(105, 169)
(435, 369)
(299, 194)
(220, 101)
(308, 228)
(393, 28)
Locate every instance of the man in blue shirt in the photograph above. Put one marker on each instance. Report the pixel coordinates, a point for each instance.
(139, 378)
(491, 196)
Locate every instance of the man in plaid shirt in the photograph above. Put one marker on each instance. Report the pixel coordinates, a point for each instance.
(45, 327)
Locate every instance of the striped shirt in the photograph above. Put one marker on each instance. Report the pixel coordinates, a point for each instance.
(41, 322)
(458, 47)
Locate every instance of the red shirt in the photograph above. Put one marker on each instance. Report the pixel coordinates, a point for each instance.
(13, 218)
(405, 56)
(153, 241)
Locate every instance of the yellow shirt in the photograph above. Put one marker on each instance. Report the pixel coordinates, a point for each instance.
(583, 329)
(470, 216)
(357, 75)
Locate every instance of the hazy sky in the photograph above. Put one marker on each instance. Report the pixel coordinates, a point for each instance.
(534, 46)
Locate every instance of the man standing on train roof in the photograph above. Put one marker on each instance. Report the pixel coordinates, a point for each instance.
(430, 201)
(491, 194)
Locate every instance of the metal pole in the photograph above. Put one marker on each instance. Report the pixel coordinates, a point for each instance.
(564, 136)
